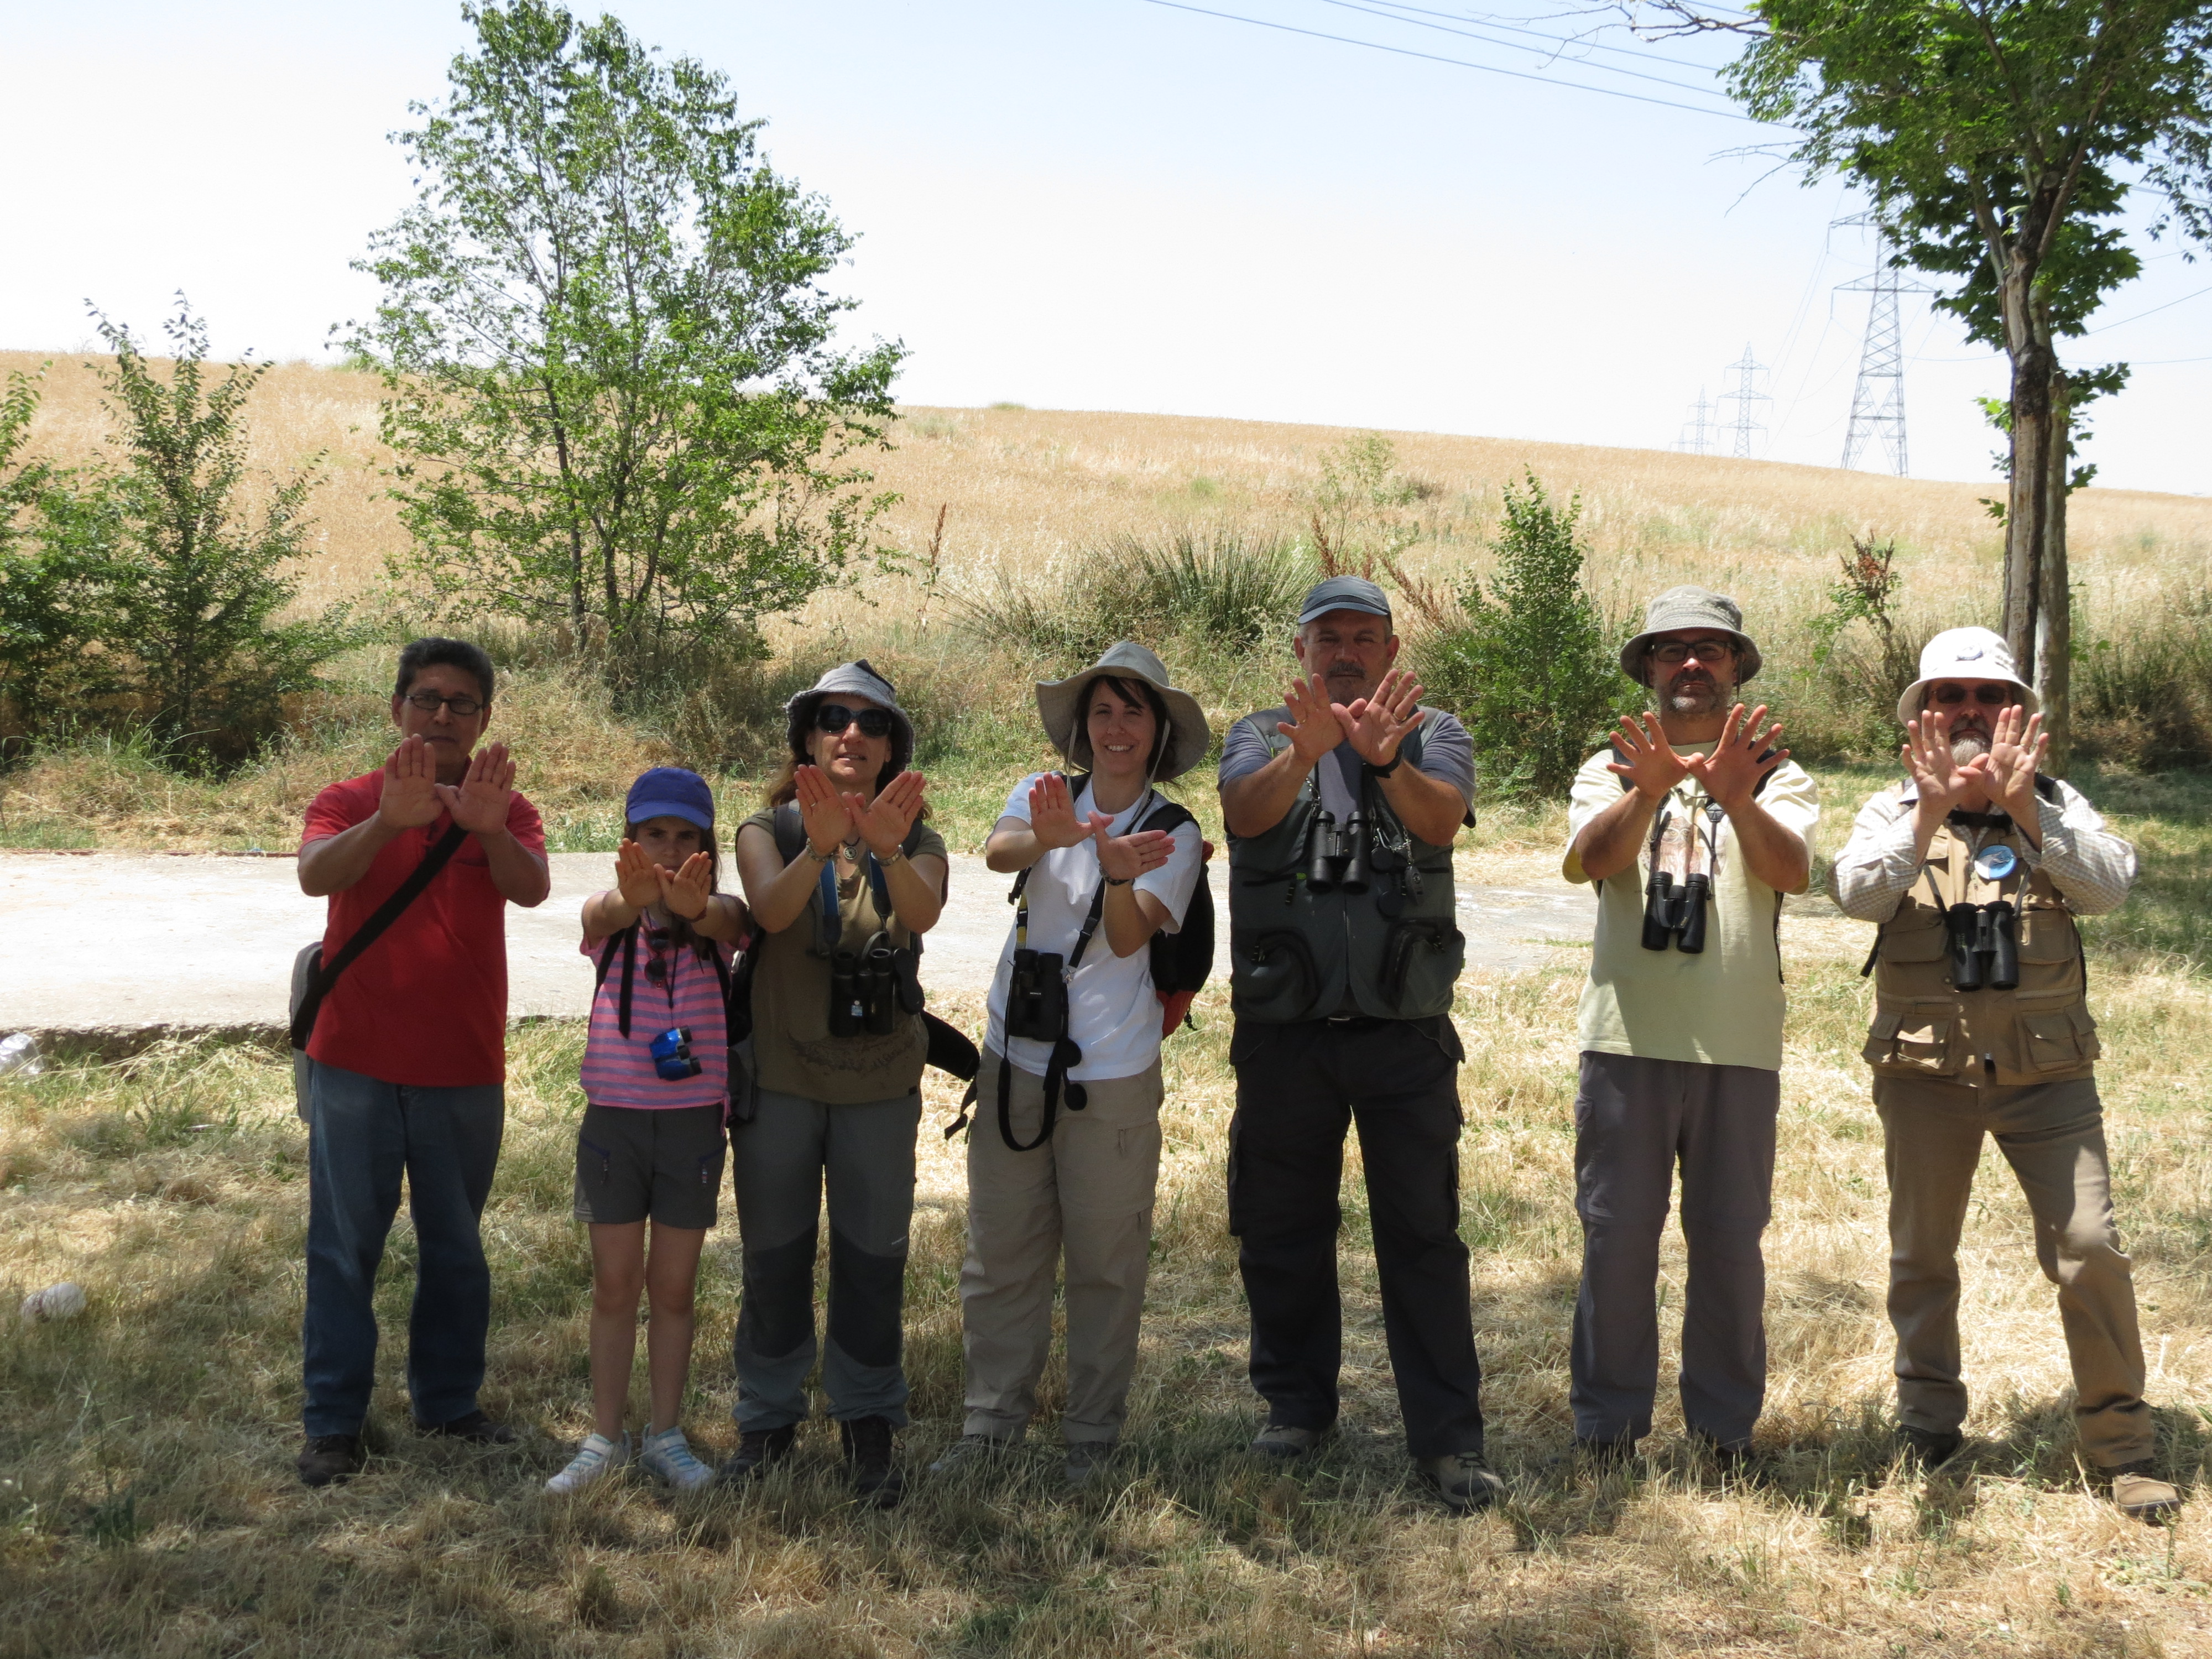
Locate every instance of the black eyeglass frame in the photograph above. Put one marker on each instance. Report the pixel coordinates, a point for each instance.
(430, 702)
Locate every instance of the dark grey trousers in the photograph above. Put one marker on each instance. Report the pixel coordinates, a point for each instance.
(1635, 1119)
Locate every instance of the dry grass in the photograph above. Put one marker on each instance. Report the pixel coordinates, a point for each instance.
(150, 1508)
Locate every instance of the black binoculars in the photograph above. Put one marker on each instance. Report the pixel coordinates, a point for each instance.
(1036, 996)
(1338, 856)
(864, 992)
(1985, 945)
(1676, 913)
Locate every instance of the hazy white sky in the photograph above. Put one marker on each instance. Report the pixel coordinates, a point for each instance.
(1088, 204)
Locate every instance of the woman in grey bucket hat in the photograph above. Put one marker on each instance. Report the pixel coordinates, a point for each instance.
(1104, 865)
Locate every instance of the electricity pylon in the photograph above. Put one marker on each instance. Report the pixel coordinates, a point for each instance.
(1878, 400)
(1745, 395)
(1697, 431)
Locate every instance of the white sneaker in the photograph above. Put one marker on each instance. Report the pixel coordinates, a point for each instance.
(595, 1459)
(668, 1455)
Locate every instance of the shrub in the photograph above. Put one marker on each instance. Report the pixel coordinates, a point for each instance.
(2142, 695)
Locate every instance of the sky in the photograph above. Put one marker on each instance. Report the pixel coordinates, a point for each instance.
(1102, 205)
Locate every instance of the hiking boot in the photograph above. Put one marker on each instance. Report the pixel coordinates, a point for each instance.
(1084, 1459)
(474, 1427)
(757, 1449)
(969, 1451)
(1286, 1441)
(1604, 1457)
(595, 1459)
(668, 1456)
(868, 1451)
(1462, 1480)
(1928, 1448)
(328, 1459)
(1732, 1458)
(2140, 1495)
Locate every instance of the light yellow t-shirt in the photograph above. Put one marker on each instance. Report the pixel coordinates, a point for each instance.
(1723, 1007)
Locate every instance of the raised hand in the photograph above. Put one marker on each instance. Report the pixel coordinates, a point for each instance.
(1735, 765)
(1052, 813)
(1651, 767)
(1938, 780)
(685, 891)
(822, 809)
(410, 798)
(2016, 750)
(1312, 728)
(1124, 858)
(1374, 725)
(883, 822)
(637, 878)
(479, 802)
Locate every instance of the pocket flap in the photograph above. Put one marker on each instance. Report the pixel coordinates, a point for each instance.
(1885, 1024)
(1915, 1032)
(1916, 936)
(2051, 1041)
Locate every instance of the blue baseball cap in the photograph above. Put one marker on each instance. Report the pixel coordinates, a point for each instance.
(670, 792)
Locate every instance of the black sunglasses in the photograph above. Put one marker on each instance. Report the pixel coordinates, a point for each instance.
(833, 717)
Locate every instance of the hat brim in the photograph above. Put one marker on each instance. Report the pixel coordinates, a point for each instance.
(1909, 701)
(669, 809)
(801, 710)
(1188, 735)
(1748, 661)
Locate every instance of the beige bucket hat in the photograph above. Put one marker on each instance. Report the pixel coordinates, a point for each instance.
(1059, 706)
(1964, 653)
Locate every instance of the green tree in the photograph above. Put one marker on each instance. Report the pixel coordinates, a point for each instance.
(1997, 139)
(197, 580)
(1528, 668)
(611, 369)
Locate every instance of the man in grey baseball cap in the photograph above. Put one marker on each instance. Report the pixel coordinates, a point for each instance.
(1692, 823)
(1341, 805)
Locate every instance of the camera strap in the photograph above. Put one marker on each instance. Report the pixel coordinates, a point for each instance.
(627, 939)
(326, 973)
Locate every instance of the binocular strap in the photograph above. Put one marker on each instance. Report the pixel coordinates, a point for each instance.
(1065, 1053)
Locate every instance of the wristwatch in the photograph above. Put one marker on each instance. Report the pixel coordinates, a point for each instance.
(898, 852)
(1119, 881)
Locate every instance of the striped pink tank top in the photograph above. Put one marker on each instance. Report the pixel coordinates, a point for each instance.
(618, 1070)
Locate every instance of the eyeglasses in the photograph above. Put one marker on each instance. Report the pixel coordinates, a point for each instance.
(1992, 693)
(1677, 651)
(835, 717)
(430, 702)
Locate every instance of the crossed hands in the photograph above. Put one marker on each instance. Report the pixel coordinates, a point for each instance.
(1123, 858)
(413, 796)
(2006, 774)
(1728, 773)
(642, 882)
(1373, 726)
(883, 822)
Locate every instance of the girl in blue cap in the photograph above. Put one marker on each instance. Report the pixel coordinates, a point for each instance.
(656, 1087)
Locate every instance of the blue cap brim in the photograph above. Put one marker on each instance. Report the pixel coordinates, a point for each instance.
(669, 809)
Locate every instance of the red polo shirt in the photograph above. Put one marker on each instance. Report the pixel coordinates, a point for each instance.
(426, 1004)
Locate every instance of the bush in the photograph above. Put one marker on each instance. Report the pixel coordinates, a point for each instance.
(2143, 695)
(1528, 665)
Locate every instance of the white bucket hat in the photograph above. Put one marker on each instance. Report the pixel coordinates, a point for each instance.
(1963, 653)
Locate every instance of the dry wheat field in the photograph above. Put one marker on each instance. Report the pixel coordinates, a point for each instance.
(147, 1501)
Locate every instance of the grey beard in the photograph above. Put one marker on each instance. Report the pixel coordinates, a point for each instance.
(1967, 747)
(1694, 699)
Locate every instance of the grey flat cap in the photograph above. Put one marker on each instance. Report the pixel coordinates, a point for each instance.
(1059, 706)
(1690, 607)
(1343, 593)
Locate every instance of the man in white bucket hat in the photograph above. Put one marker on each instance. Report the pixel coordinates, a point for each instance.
(1976, 867)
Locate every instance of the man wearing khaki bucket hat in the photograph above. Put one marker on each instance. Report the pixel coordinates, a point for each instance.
(1975, 868)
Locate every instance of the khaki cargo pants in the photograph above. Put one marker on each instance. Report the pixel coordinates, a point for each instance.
(1085, 1195)
(2053, 1136)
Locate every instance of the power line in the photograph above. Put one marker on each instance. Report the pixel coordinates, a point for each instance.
(2153, 311)
(1457, 62)
(1534, 34)
(1515, 45)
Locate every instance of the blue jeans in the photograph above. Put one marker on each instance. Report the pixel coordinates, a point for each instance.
(363, 1135)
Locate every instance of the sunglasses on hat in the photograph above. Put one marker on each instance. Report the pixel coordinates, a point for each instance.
(835, 717)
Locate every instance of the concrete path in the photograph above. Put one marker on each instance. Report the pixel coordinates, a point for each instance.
(107, 944)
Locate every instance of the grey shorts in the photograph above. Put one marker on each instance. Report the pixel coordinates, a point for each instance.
(632, 1163)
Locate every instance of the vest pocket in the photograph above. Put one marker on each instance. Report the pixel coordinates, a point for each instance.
(1421, 960)
(1915, 935)
(2062, 1040)
(1910, 1041)
(1280, 983)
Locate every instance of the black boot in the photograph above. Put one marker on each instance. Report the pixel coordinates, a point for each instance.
(868, 1452)
(757, 1449)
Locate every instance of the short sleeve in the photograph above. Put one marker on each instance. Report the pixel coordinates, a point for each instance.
(334, 810)
(1448, 754)
(525, 825)
(1174, 881)
(930, 844)
(1792, 799)
(1595, 789)
(1243, 751)
(1017, 802)
(593, 942)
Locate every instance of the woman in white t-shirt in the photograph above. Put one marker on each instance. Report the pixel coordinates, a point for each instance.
(1064, 1151)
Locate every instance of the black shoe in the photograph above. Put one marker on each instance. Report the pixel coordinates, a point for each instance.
(1928, 1448)
(757, 1449)
(473, 1426)
(1733, 1458)
(1604, 1455)
(1286, 1441)
(868, 1451)
(328, 1459)
(1462, 1480)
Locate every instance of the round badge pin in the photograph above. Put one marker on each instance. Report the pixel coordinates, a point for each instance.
(1996, 863)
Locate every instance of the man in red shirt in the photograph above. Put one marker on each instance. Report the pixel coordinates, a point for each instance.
(407, 1059)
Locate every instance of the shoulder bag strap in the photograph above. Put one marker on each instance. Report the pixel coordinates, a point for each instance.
(303, 1022)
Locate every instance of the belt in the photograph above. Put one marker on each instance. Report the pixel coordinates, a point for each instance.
(1360, 1021)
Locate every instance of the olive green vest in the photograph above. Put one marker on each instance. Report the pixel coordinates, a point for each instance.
(1393, 952)
(1925, 1026)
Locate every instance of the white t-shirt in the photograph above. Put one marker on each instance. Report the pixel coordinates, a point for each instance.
(1112, 1014)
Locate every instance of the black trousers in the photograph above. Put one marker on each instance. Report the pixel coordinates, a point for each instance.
(1298, 1088)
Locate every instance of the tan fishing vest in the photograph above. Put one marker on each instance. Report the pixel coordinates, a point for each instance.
(1924, 1026)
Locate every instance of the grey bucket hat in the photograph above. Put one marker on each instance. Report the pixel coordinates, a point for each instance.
(854, 679)
(1059, 706)
(1690, 607)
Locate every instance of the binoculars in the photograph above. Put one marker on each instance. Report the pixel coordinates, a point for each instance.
(1676, 913)
(1985, 945)
(1036, 996)
(863, 991)
(671, 1054)
(1339, 857)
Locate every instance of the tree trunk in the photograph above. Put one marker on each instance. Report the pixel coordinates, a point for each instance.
(2054, 653)
(2028, 508)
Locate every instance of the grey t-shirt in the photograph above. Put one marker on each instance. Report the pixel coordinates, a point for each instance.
(1447, 752)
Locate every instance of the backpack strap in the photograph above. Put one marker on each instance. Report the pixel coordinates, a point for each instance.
(418, 879)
